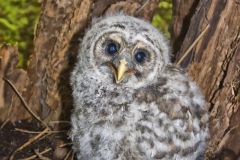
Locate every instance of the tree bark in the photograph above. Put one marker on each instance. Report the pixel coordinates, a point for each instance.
(214, 63)
(9, 102)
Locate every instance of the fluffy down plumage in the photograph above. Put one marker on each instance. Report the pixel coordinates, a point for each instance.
(155, 112)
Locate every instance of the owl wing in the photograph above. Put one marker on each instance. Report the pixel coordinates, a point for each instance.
(176, 115)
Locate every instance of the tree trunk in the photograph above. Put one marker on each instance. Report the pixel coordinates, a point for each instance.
(214, 63)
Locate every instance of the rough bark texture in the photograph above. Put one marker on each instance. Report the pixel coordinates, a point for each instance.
(9, 102)
(182, 14)
(58, 34)
(214, 63)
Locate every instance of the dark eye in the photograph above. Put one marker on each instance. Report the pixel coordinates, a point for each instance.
(140, 56)
(111, 48)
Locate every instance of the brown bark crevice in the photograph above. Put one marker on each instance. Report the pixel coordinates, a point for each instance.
(182, 18)
(222, 76)
(213, 64)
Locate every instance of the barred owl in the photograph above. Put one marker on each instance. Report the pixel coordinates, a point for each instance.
(130, 101)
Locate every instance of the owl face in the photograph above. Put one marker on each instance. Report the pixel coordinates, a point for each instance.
(125, 51)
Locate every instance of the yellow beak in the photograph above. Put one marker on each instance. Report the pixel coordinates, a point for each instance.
(121, 70)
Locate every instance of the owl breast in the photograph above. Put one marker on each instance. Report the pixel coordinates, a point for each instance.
(153, 122)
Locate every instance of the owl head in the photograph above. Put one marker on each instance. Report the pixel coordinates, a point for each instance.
(123, 51)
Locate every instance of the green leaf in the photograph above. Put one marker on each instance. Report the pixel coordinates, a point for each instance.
(17, 22)
(163, 17)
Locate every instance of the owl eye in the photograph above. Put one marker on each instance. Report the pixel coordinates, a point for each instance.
(112, 48)
(140, 56)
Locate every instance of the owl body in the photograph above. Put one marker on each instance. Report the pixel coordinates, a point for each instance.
(154, 112)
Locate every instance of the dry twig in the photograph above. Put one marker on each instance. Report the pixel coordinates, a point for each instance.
(30, 141)
(4, 123)
(72, 157)
(36, 132)
(57, 122)
(24, 102)
(193, 44)
(47, 150)
(27, 131)
(68, 154)
(40, 156)
(8, 114)
(35, 156)
(141, 8)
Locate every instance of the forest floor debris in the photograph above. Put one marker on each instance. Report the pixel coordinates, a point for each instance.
(20, 141)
